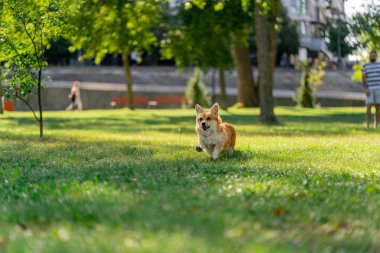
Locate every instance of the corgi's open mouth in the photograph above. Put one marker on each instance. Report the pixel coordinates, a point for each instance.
(205, 128)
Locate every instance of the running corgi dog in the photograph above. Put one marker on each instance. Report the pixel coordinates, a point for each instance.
(214, 136)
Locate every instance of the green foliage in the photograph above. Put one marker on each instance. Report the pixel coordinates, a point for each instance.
(202, 33)
(117, 27)
(357, 77)
(196, 92)
(346, 46)
(265, 6)
(26, 31)
(114, 27)
(131, 181)
(357, 68)
(312, 74)
(366, 27)
(288, 38)
(192, 39)
(27, 28)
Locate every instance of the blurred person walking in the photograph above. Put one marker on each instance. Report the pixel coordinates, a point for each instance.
(74, 96)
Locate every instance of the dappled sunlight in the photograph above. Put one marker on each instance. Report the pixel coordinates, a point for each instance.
(143, 187)
(234, 186)
(63, 237)
(312, 201)
(64, 201)
(316, 122)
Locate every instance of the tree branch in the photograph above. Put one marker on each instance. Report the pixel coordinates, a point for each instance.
(33, 42)
(30, 107)
(35, 30)
(41, 46)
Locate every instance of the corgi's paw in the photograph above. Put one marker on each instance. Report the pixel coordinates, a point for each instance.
(198, 149)
(215, 155)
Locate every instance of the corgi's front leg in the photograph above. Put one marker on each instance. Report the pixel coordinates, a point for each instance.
(216, 151)
(200, 146)
(203, 147)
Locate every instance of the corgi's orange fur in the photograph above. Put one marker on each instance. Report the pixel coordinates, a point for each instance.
(214, 136)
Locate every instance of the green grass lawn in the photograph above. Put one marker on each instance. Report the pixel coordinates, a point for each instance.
(131, 181)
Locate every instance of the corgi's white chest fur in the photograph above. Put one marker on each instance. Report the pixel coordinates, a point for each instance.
(209, 137)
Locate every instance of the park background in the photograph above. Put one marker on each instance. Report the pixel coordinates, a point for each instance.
(322, 30)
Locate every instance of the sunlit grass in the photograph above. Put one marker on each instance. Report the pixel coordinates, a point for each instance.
(131, 181)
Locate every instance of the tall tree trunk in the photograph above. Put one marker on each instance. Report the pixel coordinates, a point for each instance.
(266, 53)
(247, 92)
(40, 102)
(213, 96)
(128, 74)
(1, 94)
(273, 36)
(222, 86)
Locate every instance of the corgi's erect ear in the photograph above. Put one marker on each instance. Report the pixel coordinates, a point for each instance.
(198, 109)
(215, 109)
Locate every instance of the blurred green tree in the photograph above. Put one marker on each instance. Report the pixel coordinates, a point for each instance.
(26, 31)
(266, 24)
(195, 38)
(346, 46)
(365, 27)
(115, 27)
(288, 38)
(202, 33)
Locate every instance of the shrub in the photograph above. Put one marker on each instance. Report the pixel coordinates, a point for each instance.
(357, 76)
(312, 73)
(196, 92)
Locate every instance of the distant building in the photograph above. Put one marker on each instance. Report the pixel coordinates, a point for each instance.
(312, 17)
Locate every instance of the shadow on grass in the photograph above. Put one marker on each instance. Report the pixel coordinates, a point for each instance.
(324, 124)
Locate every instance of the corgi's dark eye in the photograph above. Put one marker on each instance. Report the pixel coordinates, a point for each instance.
(200, 119)
(208, 118)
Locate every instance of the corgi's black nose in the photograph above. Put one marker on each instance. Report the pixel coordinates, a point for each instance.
(203, 123)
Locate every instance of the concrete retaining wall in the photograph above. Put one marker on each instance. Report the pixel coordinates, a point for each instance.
(100, 84)
(56, 99)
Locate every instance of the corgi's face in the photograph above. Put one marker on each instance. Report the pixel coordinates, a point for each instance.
(207, 119)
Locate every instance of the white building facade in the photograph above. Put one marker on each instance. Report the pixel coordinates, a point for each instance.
(312, 17)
